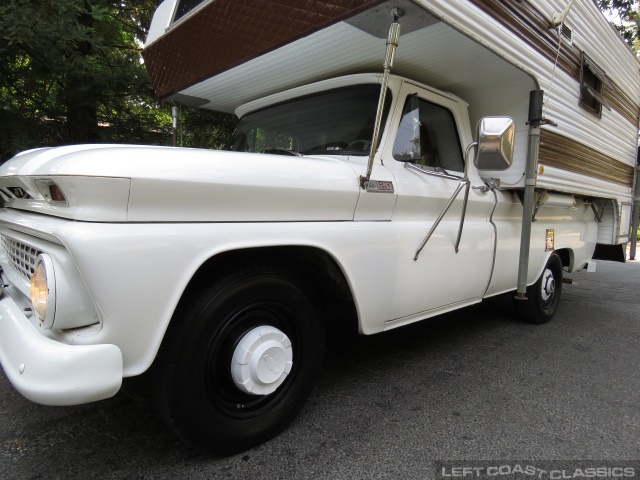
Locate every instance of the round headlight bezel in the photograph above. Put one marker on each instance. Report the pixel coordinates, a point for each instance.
(43, 291)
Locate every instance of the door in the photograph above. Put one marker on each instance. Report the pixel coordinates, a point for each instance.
(427, 160)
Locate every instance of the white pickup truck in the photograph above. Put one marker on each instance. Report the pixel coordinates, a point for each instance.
(220, 273)
(223, 266)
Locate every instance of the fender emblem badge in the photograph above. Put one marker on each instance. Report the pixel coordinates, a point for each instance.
(379, 186)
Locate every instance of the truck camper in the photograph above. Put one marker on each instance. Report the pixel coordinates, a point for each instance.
(393, 161)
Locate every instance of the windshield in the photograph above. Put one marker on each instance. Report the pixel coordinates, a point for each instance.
(338, 122)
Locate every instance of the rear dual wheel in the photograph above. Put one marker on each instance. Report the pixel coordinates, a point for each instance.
(240, 361)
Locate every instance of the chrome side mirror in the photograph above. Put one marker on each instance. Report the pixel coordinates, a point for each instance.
(496, 138)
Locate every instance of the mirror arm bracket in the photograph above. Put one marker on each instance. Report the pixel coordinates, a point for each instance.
(464, 182)
(464, 211)
(466, 157)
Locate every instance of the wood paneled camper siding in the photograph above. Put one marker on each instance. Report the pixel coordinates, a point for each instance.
(534, 29)
(562, 152)
(226, 33)
(557, 150)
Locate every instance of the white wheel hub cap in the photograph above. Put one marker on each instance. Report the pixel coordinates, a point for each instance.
(262, 360)
(548, 285)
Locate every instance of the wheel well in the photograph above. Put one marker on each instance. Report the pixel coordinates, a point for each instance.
(315, 271)
(566, 257)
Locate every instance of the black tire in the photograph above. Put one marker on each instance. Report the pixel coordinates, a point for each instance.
(198, 396)
(543, 296)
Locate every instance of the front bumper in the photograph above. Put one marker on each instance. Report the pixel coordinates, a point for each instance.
(53, 373)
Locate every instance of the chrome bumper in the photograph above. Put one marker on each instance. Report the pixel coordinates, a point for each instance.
(53, 373)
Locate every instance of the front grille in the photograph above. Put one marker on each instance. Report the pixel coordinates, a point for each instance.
(23, 257)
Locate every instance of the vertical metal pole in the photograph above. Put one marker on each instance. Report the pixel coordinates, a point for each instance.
(174, 114)
(531, 173)
(392, 43)
(636, 214)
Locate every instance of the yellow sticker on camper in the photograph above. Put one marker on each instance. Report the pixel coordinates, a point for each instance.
(550, 243)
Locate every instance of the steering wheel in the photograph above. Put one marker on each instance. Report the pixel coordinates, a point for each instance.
(360, 144)
(280, 151)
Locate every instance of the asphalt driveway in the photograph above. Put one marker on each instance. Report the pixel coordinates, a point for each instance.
(473, 385)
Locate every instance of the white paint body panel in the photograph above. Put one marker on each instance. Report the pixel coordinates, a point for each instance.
(376, 258)
(164, 184)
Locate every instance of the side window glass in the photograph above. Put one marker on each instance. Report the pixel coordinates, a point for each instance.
(428, 136)
(592, 80)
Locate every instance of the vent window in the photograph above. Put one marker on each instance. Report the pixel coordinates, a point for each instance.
(592, 81)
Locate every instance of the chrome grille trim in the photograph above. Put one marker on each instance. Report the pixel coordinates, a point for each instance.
(23, 257)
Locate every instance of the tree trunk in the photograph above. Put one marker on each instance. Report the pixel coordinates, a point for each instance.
(80, 93)
(82, 116)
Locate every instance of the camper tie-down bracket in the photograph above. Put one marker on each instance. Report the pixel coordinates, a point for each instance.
(534, 121)
(597, 214)
(392, 42)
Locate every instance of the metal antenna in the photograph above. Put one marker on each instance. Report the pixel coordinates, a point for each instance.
(392, 42)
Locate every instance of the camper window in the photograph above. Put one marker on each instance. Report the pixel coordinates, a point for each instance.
(592, 81)
(428, 136)
(184, 7)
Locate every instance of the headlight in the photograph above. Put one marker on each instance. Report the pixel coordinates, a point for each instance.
(43, 291)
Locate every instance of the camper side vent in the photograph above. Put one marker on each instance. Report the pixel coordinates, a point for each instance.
(566, 33)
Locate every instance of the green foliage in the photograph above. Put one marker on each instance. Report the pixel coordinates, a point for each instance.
(64, 64)
(625, 18)
(206, 128)
(71, 72)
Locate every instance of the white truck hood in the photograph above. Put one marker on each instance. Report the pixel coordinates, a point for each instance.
(125, 183)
